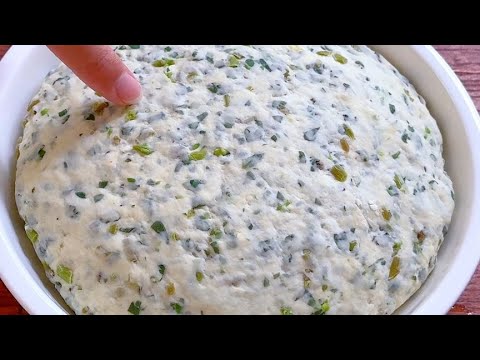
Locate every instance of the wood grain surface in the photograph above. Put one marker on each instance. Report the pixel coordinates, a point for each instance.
(465, 61)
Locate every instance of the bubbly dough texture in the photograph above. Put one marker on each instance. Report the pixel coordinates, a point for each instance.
(248, 180)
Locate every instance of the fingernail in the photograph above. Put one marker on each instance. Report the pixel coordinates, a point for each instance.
(128, 89)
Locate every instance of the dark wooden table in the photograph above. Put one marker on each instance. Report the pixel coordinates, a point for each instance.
(465, 60)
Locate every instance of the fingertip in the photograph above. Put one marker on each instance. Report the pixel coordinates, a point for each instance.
(128, 89)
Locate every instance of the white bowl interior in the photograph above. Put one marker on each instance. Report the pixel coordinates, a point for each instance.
(23, 70)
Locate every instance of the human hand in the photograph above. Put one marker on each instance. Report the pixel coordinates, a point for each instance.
(102, 70)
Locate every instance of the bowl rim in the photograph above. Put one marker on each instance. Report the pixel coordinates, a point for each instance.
(36, 301)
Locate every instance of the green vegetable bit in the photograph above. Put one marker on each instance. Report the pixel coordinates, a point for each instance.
(216, 233)
(285, 310)
(199, 276)
(65, 273)
(387, 215)
(143, 149)
(174, 236)
(221, 152)
(131, 115)
(194, 183)
(233, 61)
(63, 112)
(195, 146)
(396, 248)
(352, 245)
(322, 309)
(266, 282)
(283, 207)
(158, 227)
(32, 235)
(134, 46)
(131, 180)
(163, 62)
(32, 104)
(44, 112)
(398, 181)
(226, 100)
(81, 194)
(349, 132)
(90, 117)
(161, 270)
(103, 184)
(113, 229)
(339, 58)
(249, 63)
(264, 65)
(396, 155)
(135, 307)
(98, 197)
(324, 53)
(198, 155)
(177, 307)
(42, 152)
(394, 268)
(339, 173)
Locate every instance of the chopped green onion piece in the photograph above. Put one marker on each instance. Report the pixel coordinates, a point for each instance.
(324, 53)
(339, 173)
(113, 229)
(143, 149)
(131, 180)
(158, 227)
(352, 245)
(177, 307)
(81, 194)
(65, 273)
(163, 62)
(32, 235)
(226, 100)
(198, 155)
(349, 132)
(135, 307)
(339, 58)
(131, 115)
(285, 310)
(199, 276)
(44, 112)
(103, 184)
(398, 181)
(221, 152)
(42, 152)
(394, 268)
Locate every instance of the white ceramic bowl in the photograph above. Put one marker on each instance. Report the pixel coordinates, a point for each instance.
(24, 67)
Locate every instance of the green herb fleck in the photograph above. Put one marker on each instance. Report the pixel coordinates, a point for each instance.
(113, 229)
(143, 149)
(339, 173)
(324, 53)
(213, 87)
(285, 310)
(216, 233)
(398, 181)
(158, 227)
(349, 132)
(194, 183)
(134, 46)
(81, 194)
(392, 108)
(131, 180)
(65, 273)
(163, 62)
(177, 307)
(405, 138)
(98, 197)
(198, 155)
(394, 268)
(396, 155)
(161, 270)
(322, 309)
(396, 248)
(221, 152)
(195, 146)
(284, 207)
(32, 235)
(340, 59)
(226, 100)
(135, 307)
(41, 152)
(44, 112)
(174, 236)
(249, 63)
(103, 184)
(131, 115)
(199, 276)
(352, 245)
(264, 65)
(266, 282)
(387, 215)
(233, 61)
